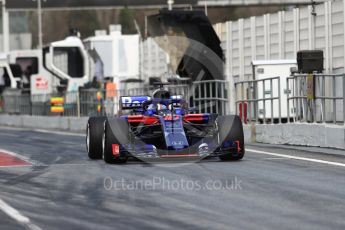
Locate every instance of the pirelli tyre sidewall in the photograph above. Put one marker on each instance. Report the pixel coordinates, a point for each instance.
(230, 129)
(94, 133)
(115, 132)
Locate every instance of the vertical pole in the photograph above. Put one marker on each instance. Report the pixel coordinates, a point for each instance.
(242, 102)
(199, 96)
(344, 99)
(334, 100)
(295, 108)
(271, 88)
(249, 99)
(264, 100)
(206, 8)
(232, 91)
(78, 104)
(5, 28)
(344, 67)
(236, 100)
(287, 100)
(205, 102)
(256, 102)
(211, 96)
(323, 102)
(170, 3)
(216, 96)
(39, 17)
(222, 87)
(279, 103)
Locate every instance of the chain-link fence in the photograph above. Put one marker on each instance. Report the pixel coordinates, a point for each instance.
(204, 97)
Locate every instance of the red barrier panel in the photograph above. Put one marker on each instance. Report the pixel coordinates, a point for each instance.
(243, 112)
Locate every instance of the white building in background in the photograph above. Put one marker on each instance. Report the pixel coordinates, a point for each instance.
(115, 55)
(154, 60)
(280, 36)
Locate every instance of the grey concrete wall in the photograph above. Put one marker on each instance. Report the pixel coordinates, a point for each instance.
(72, 124)
(317, 135)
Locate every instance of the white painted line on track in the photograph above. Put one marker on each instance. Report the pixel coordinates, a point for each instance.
(45, 165)
(43, 131)
(17, 166)
(59, 132)
(297, 158)
(276, 158)
(17, 216)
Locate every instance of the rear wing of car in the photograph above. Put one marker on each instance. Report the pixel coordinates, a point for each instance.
(133, 102)
(136, 102)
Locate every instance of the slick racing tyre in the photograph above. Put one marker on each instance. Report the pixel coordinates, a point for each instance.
(115, 134)
(231, 129)
(94, 133)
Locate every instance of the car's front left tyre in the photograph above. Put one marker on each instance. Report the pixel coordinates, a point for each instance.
(94, 134)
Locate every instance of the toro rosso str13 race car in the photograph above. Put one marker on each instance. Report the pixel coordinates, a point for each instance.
(163, 128)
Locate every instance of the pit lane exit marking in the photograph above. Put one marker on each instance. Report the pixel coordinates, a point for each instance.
(11, 159)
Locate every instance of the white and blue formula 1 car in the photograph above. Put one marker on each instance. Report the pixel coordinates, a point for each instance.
(161, 127)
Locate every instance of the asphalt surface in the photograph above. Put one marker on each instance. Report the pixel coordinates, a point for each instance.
(63, 189)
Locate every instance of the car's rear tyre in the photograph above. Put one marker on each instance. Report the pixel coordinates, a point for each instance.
(94, 134)
(231, 129)
(115, 132)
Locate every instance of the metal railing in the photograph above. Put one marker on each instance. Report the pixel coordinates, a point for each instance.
(210, 96)
(312, 98)
(259, 100)
(205, 97)
(318, 98)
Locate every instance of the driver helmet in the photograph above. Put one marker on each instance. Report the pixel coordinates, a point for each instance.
(161, 94)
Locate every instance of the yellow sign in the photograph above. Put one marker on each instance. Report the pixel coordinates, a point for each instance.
(99, 96)
(57, 109)
(57, 100)
(57, 105)
(310, 87)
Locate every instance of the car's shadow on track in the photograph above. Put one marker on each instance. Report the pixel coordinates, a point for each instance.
(135, 161)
